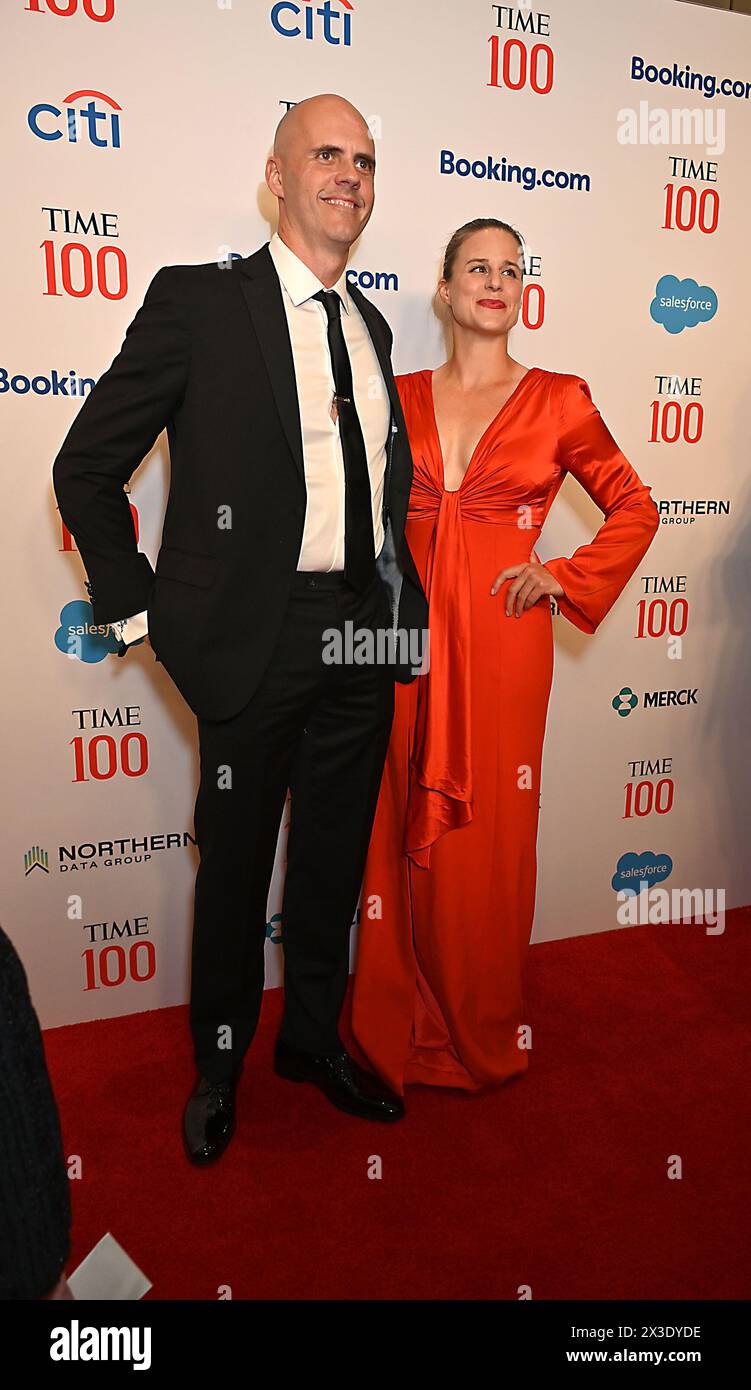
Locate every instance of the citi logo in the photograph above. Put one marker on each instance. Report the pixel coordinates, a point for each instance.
(626, 701)
(331, 23)
(93, 122)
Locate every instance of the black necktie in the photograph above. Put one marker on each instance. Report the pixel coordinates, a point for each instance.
(359, 546)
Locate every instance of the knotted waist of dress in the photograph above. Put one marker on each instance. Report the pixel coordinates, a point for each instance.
(440, 780)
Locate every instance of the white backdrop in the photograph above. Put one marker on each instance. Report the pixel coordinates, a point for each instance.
(197, 89)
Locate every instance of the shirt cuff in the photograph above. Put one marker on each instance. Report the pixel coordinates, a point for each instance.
(130, 630)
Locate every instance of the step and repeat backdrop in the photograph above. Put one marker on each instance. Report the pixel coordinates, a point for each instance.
(615, 137)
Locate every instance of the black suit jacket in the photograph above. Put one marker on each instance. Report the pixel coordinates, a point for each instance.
(208, 355)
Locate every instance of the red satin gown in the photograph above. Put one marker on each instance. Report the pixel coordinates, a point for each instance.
(438, 987)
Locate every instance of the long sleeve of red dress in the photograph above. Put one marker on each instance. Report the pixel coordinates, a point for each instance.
(596, 573)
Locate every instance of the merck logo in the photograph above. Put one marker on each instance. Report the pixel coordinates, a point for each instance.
(292, 20)
(86, 121)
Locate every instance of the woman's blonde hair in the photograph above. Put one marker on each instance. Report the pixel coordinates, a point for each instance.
(477, 225)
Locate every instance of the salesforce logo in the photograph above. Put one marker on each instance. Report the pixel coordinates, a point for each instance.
(633, 870)
(78, 636)
(680, 304)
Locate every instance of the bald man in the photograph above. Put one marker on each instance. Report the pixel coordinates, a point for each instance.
(290, 474)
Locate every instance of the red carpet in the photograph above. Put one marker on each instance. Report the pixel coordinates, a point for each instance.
(557, 1180)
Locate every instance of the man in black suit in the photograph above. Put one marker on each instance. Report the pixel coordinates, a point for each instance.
(290, 475)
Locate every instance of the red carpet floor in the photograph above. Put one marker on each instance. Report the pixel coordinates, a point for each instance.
(557, 1180)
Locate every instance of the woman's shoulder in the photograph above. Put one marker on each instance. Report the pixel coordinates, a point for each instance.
(566, 389)
(566, 381)
(412, 387)
(569, 382)
(406, 380)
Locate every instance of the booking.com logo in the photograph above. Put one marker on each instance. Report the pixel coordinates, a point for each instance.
(501, 171)
(688, 79)
(680, 304)
(295, 21)
(373, 279)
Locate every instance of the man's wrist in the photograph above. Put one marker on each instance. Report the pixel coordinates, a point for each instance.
(132, 629)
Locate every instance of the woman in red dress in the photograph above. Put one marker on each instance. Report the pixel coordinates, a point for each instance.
(449, 888)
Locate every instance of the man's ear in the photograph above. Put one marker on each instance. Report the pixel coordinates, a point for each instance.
(274, 177)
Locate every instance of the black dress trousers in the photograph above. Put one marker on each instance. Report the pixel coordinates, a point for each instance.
(322, 730)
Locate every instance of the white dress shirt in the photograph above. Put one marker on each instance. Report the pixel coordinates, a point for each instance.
(322, 546)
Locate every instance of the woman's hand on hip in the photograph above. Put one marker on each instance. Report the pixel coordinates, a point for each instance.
(531, 582)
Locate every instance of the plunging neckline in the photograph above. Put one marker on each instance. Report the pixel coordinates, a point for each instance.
(486, 431)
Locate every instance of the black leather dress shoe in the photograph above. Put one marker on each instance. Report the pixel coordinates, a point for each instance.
(342, 1081)
(209, 1119)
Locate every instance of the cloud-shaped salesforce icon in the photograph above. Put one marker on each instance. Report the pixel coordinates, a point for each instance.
(80, 637)
(633, 870)
(680, 304)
